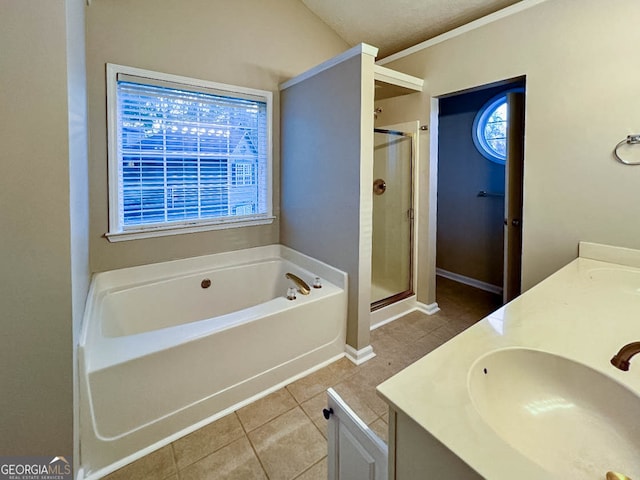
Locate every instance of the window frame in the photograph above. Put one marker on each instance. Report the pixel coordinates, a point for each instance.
(479, 123)
(480, 120)
(117, 230)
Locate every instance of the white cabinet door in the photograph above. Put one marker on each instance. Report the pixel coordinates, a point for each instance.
(355, 451)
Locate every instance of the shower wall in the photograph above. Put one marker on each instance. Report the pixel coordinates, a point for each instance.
(326, 177)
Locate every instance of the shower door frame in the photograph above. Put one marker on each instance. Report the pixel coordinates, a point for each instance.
(412, 219)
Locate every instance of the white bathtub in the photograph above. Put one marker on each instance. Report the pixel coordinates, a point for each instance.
(160, 356)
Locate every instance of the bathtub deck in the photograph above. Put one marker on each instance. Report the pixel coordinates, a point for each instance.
(283, 436)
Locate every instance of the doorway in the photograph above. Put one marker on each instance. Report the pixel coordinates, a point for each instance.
(479, 187)
(393, 216)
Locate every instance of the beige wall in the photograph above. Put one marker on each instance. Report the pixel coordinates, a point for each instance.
(327, 154)
(41, 289)
(44, 203)
(582, 85)
(252, 43)
(78, 184)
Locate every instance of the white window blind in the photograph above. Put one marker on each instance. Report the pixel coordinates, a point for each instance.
(188, 154)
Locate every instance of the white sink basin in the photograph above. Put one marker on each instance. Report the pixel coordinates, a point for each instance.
(570, 419)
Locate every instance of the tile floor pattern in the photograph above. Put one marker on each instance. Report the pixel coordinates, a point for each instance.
(283, 435)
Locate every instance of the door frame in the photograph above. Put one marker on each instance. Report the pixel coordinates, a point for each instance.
(433, 179)
(412, 130)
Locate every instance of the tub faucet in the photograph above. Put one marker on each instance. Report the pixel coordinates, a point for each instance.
(623, 357)
(303, 288)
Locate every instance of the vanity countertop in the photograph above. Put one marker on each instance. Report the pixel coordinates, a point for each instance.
(585, 312)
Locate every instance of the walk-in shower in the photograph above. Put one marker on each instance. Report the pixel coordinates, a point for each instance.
(392, 249)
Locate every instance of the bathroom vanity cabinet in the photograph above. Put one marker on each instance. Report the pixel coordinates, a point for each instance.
(354, 450)
(414, 454)
(529, 392)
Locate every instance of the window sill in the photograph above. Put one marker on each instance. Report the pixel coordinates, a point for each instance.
(164, 231)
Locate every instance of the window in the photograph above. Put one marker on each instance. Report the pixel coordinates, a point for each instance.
(185, 155)
(490, 129)
(243, 174)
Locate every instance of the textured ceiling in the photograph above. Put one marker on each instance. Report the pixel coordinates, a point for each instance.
(393, 25)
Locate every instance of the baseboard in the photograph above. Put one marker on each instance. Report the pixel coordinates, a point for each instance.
(472, 282)
(358, 357)
(392, 312)
(399, 309)
(430, 309)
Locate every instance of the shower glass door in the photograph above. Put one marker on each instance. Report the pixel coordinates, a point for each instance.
(391, 262)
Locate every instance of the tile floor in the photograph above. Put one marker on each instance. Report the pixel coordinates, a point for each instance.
(283, 435)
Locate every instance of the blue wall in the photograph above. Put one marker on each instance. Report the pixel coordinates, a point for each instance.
(469, 228)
